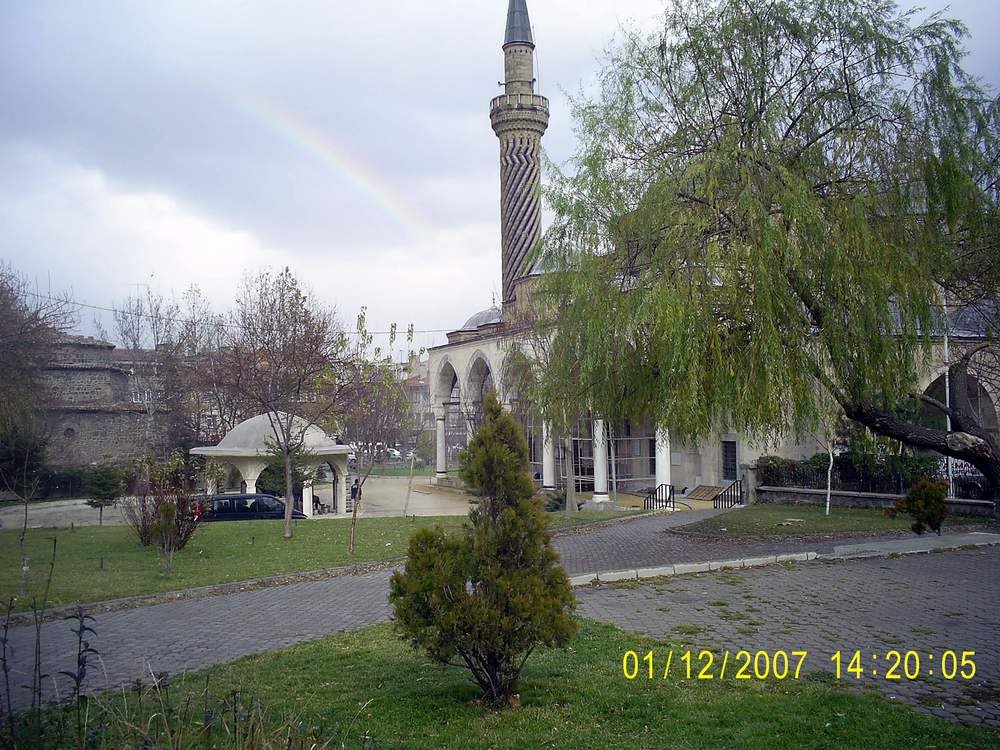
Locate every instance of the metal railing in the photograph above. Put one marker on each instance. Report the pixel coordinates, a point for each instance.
(520, 100)
(661, 498)
(892, 476)
(731, 496)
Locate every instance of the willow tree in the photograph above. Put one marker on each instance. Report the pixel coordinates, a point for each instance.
(767, 201)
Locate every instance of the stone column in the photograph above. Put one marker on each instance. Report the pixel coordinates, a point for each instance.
(548, 457)
(340, 494)
(307, 499)
(442, 448)
(662, 456)
(749, 483)
(600, 462)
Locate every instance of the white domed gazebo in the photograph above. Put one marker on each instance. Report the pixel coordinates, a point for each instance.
(248, 448)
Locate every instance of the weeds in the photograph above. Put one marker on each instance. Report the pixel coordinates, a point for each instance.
(143, 716)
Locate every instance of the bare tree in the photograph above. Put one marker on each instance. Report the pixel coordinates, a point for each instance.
(206, 405)
(376, 414)
(147, 327)
(31, 324)
(284, 354)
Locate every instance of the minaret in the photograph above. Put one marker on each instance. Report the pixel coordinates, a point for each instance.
(519, 117)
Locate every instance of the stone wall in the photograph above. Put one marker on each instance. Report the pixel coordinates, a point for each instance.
(86, 385)
(83, 438)
(797, 495)
(93, 408)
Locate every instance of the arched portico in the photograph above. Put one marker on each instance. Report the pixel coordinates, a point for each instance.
(449, 423)
(479, 380)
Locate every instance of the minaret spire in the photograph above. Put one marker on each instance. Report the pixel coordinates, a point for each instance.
(519, 117)
(518, 24)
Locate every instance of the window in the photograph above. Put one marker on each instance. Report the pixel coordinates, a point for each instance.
(269, 504)
(729, 466)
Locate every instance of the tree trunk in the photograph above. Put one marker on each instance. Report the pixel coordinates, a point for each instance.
(570, 466)
(829, 477)
(100, 515)
(357, 503)
(979, 451)
(409, 486)
(289, 493)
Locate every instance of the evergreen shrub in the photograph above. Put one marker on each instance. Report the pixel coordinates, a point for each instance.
(487, 597)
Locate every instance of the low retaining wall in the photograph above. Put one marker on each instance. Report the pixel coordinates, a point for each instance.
(844, 499)
(453, 482)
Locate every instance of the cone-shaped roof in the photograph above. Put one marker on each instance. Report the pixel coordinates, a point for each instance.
(518, 24)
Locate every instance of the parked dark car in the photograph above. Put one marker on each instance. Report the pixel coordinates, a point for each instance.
(241, 508)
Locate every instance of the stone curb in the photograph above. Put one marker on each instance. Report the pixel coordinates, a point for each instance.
(864, 554)
(638, 574)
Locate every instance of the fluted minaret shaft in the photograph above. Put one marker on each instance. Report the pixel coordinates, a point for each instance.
(519, 117)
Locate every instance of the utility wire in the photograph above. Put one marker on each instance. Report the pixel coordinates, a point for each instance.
(216, 324)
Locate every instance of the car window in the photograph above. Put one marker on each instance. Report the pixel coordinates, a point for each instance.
(269, 504)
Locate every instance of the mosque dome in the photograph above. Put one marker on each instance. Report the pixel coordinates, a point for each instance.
(482, 318)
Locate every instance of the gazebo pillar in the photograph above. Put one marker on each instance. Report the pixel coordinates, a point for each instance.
(249, 469)
(340, 493)
(307, 499)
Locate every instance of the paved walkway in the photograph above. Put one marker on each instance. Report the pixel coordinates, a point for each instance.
(194, 634)
(927, 603)
(643, 543)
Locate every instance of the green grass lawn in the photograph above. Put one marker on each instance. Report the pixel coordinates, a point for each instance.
(218, 553)
(401, 470)
(369, 684)
(767, 518)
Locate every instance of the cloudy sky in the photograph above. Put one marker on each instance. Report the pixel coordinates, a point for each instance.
(180, 142)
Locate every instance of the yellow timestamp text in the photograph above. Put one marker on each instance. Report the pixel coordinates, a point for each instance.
(904, 665)
(789, 665)
(706, 665)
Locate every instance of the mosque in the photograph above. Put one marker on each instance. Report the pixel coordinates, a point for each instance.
(479, 356)
(486, 352)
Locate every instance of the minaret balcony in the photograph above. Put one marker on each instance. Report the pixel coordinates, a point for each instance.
(519, 101)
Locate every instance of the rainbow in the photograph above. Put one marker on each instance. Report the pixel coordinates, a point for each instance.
(336, 158)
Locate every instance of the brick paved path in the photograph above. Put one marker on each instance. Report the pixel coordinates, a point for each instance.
(928, 603)
(643, 543)
(194, 634)
(198, 633)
